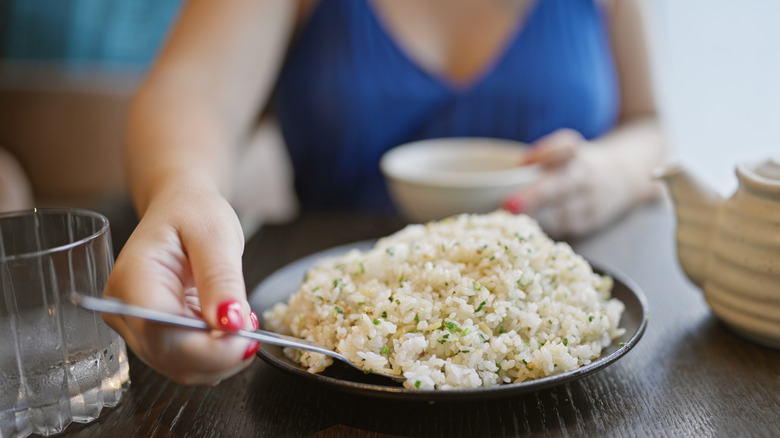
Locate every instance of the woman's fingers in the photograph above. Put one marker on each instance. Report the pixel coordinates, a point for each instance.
(554, 150)
(554, 187)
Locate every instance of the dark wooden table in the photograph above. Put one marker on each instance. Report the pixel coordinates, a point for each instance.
(688, 376)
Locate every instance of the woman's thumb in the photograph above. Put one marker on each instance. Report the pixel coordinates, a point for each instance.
(555, 149)
(215, 260)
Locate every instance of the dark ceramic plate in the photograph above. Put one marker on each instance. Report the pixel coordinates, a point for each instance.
(283, 283)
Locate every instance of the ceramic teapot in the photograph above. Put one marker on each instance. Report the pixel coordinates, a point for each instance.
(731, 247)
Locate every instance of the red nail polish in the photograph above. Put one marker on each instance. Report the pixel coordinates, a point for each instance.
(253, 318)
(251, 349)
(514, 204)
(229, 315)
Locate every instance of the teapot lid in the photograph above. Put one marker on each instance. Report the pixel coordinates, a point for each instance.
(763, 177)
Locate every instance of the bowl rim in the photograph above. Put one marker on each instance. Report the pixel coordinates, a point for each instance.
(390, 163)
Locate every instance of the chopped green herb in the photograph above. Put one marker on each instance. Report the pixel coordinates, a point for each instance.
(390, 298)
(565, 341)
(525, 285)
(476, 286)
(362, 268)
(451, 326)
(482, 337)
(360, 303)
(498, 365)
(385, 349)
(550, 321)
(390, 251)
(376, 321)
(384, 314)
(401, 280)
(315, 289)
(368, 371)
(492, 258)
(622, 344)
(481, 305)
(590, 318)
(397, 301)
(417, 384)
(319, 298)
(501, 329)
(338, 309)
(441, 341)
(336, 282)
(466, 331)
(446, 335)
(416, 318)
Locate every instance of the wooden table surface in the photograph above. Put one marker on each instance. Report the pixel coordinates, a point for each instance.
(688, 376)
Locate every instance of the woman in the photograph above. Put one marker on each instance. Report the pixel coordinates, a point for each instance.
(355, 78)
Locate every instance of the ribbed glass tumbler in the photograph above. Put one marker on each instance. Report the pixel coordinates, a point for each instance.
(58, 363)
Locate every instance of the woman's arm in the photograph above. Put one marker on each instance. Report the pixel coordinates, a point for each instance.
(184, 256)
(637, 144)
(204, 93)
(589, 183)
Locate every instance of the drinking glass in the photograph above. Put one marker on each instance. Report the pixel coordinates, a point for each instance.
(58, 363)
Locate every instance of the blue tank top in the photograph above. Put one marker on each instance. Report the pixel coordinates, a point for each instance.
(347, 93)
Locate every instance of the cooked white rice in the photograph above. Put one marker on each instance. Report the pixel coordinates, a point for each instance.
(473, 300)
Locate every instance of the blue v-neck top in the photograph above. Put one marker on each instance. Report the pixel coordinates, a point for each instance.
(348, 92)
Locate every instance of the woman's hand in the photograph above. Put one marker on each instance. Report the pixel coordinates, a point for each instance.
(580, 190)
(185, 258)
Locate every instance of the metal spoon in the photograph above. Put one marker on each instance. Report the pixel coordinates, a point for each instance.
(116, 307)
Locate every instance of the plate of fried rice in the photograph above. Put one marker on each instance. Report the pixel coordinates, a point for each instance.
(470, 306)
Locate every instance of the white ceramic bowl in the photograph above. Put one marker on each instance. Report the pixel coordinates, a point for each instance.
(434, 179)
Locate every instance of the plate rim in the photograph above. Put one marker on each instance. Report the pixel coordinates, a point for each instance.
(460, 394)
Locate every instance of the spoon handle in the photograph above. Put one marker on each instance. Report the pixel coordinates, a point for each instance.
(116, 307)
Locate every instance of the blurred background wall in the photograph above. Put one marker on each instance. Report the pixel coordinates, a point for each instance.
(718, 69)
(67, 71)
(119, 34)
(69, 66)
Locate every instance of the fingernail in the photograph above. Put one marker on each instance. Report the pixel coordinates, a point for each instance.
(229, 315)
(251, 349)
(514, 204)
(253, 318)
